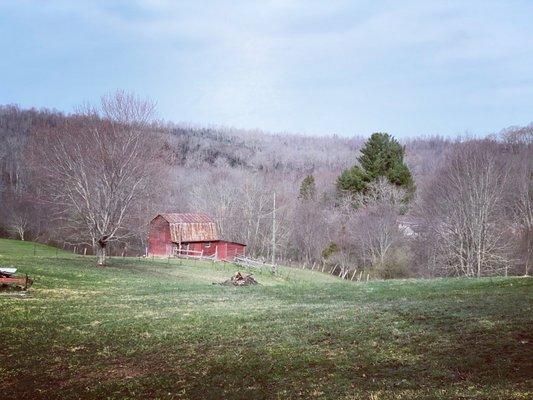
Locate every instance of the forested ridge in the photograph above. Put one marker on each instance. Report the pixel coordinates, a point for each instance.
(466, 210)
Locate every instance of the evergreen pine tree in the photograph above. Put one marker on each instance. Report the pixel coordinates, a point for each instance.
(382, 155)
(308, 188)
(352, 180)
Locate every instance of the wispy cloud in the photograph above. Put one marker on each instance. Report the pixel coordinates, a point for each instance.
(311, 66)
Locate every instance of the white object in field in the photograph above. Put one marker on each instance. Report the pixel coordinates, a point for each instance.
(8, 271)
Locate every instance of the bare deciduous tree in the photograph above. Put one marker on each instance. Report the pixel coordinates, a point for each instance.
(378, 233)
(308, 233)
(377, 227)
(520, 200)
(463, 212)
(18, 218)
(97, 166)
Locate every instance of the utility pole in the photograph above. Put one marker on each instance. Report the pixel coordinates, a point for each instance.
(274, 231)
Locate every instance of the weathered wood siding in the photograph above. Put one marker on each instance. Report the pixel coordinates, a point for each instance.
(168, 231)
(159, 241)
(229, 250)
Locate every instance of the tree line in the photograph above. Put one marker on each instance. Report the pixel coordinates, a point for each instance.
(428, 206)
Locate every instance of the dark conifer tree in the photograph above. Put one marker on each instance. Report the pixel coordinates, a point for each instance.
(308, 188)
(382, 155)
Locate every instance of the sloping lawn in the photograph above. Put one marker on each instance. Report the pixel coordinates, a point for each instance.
(156, 329)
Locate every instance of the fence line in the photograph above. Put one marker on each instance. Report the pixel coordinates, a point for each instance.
(357, 275)
(194, 254)
(253, 263)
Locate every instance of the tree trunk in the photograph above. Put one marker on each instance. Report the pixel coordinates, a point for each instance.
(101, 253)
(529, 246)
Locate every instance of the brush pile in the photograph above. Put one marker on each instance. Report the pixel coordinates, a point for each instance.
(240, 280)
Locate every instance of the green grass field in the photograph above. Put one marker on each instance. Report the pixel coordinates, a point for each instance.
(149, 329)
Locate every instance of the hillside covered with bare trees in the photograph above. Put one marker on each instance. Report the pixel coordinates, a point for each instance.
(92, 180)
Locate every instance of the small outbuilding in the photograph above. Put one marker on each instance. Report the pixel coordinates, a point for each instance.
(175, 234)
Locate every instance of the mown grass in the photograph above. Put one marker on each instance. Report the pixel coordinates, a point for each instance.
(156, 329)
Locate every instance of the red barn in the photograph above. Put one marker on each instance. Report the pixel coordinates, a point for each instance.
(195, 234)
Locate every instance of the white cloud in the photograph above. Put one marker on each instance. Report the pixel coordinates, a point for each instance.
(294, 64)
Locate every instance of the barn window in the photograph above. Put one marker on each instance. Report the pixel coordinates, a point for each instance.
(208, 244)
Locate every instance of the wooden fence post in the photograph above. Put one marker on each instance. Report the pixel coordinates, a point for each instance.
(354, 272)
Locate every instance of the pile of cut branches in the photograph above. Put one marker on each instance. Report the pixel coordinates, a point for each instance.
(240, 280)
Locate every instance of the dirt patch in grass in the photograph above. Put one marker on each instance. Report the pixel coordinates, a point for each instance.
(116, 370)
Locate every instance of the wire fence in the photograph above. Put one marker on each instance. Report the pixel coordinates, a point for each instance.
(179, 255)
(252, 263)
(249, 263)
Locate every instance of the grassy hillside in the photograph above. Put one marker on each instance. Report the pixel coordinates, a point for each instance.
(157, 329)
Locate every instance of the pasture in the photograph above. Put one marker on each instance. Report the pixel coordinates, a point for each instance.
(144, 329)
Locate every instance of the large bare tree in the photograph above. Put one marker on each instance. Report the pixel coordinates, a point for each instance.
(522, 207)
(520, 193)
(463, 212)
(20, 215)
(97, 167)
(376, 228)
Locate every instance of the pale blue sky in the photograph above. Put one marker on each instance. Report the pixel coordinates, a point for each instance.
(311, 67)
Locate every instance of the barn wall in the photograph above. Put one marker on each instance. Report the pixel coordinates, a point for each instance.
(208, 248)
(229, 250)
(159, 243)
(234, 250)
(221, 250)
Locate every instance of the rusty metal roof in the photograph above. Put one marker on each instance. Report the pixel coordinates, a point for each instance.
(179, 218)
(189, 227)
